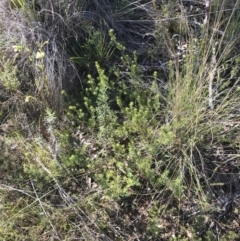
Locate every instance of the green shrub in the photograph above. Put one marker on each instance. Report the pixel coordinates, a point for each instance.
(9, 73)
(97, 145)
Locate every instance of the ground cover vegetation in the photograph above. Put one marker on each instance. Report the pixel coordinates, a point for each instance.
(119, 120)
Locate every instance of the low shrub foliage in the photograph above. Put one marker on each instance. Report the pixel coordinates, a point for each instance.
(119, 120)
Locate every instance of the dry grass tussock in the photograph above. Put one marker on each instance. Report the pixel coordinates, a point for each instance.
(42, 36)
